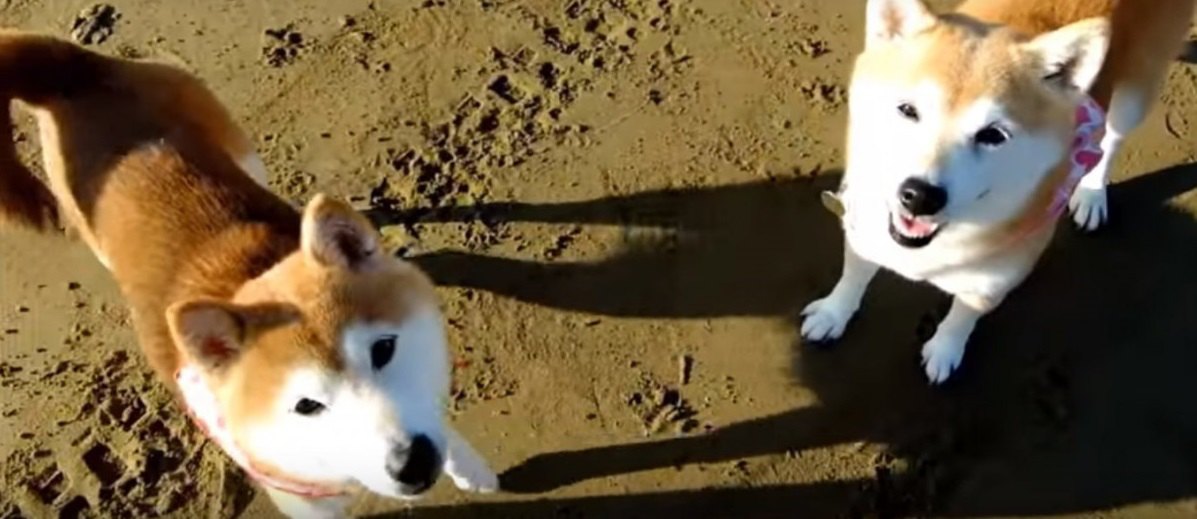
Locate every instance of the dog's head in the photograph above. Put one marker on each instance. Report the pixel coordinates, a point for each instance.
(956, 124)
(332, 366)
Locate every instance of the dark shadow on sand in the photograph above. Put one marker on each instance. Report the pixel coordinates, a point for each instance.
(1075, 396)
(1189, 53)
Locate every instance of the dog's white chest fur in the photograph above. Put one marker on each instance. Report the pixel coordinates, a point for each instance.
(952, 267)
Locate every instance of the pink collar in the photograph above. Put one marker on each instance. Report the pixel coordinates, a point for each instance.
(1082, 158)
(204, 411)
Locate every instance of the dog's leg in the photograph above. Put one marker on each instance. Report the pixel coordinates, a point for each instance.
(826, 319)
(466, 467)
(1128, 106)
(252, 164)
(299, 507)
(943, 353)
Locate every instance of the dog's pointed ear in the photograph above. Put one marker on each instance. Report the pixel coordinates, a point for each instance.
(890, 20)
(213, 333)
(333, 234)
(1072, 56)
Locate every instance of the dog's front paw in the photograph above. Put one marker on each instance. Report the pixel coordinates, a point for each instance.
(825, 320)
(1089, 206)
(474, 477)
(942, 355)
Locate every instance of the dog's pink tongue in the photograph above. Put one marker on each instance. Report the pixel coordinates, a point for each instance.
(917, 226)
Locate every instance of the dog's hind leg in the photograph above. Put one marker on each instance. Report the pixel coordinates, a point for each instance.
(1135, 68)
(24, 200)
(826, 319)
(1129, 105)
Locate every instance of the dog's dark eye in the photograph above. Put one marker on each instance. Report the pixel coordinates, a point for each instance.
(991, 136)
(909, 111)
(308, 407)
(381, 351)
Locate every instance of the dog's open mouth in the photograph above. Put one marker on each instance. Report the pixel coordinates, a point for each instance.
(913, 231)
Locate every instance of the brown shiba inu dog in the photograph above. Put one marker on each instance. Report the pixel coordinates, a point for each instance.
(970, 132)
(315, 360)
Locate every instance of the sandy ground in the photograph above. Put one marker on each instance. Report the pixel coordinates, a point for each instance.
(620, 200)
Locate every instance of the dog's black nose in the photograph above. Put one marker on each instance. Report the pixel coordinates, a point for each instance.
(922, 198)
(416, 466)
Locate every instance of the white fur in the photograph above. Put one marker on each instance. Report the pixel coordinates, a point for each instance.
(369, 414)
(987, 186)
(251, 164)
(944, 352)
(297, 507)
(103, 259)
(827, 318)
(1088, 204)
(466, 467)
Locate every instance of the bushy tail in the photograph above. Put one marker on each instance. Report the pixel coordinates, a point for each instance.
(35, 69)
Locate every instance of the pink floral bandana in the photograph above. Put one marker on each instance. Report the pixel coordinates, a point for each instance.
(1083, 157)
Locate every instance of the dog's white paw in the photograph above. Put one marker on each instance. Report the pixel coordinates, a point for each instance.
(473, 477)
(1089, 206)
(825, 320)
(942, 355)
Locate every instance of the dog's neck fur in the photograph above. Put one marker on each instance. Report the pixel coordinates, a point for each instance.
(230, 258)
(167, 244)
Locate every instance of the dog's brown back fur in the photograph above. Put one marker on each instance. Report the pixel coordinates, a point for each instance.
(142, 158)
(1138, 31)
(252, 304)
(1145, 37)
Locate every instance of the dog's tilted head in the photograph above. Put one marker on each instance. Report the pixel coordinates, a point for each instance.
(955, 125)
(332, 366)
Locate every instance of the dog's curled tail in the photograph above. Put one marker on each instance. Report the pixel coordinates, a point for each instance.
(35, 69)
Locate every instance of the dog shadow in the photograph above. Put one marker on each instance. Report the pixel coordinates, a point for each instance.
(1074, 395)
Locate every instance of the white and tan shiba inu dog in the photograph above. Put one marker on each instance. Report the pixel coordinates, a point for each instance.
(314, 359)
(970, 132)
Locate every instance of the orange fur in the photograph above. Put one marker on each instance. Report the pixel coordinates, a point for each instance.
(227, 282)
(142, 157)
(964, 52)
(1145, 38)
(966, 123)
